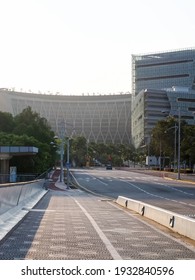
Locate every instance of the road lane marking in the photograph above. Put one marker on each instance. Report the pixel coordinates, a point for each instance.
(155, 195)
(175, 189)
(88, 179)
(103, 237)
(101, 182)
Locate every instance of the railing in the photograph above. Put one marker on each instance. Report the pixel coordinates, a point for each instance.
(16, 178)
(7, 178)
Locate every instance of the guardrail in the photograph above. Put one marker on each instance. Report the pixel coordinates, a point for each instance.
(178, 223)
(7, 178)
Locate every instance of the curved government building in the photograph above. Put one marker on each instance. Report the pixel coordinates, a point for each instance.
(99, 118)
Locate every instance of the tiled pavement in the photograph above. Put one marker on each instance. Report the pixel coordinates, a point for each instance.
(74, 225)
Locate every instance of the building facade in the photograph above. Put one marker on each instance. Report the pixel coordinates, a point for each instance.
(99, 118)
(151, 105)
(163, 70)
(161, 82)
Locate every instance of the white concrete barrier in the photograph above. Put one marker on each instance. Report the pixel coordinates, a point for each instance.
(11, 217)
(13, 194)
(178, 223)
(14, 198)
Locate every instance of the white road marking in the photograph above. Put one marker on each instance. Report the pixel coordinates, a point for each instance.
(101, 182)
(172, 188)
(155, 195)
(103, 237)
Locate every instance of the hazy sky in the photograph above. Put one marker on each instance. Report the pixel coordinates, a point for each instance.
(85, 46)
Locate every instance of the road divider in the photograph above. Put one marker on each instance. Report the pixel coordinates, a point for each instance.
(176, 222)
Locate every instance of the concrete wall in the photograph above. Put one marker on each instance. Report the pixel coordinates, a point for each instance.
(16, 200)
(12, 195)
(178, 223)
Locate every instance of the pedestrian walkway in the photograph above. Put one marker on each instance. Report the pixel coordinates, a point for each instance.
(74, 225)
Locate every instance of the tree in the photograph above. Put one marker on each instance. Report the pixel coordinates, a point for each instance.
(31, 124)
(28, 129)
(163, 139)
(6, 122)
(83, 151)
(188, 145)
(79, 150)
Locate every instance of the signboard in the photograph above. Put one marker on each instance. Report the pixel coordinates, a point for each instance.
(12, 174)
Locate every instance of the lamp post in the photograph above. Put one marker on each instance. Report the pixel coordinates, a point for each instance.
(61, 157)
(62, 161)
(87, 157)
(179, 143)
(68, 163)
(62, 142)
(175, 144)
(148, 153)
(160, 154)
(175, 148)
(68, 159)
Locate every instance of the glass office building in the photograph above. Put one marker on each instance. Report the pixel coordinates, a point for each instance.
(161, 82)
(163, 70)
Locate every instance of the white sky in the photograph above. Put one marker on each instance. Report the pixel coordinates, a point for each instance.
(85, 46)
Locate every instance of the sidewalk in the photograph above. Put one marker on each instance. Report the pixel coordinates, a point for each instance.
(56, 184)
(74, 225)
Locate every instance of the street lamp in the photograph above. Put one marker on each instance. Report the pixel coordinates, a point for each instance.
(68, 162)
(175, 143)
(148, 152)
(179, 142)
(62, 142)
(68, 159)
(61, 157)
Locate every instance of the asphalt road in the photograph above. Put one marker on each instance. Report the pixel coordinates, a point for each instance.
(176, 196)
(76, 225)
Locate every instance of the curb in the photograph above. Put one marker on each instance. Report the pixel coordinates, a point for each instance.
(87, 190)
(177, 223)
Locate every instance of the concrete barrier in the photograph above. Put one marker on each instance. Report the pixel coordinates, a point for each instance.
(15, 200)
(13, 194)
(178, 223)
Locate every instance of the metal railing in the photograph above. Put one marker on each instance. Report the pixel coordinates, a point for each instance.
(7, 178)
(23, 177)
